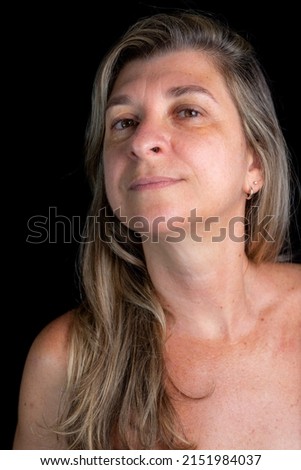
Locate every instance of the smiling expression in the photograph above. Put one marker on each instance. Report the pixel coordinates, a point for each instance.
(174, 140)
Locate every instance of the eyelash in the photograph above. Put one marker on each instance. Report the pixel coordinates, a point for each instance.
(122, 121)
(136, 123)
(191, 110)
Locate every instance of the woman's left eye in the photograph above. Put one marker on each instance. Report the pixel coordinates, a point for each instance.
(189, 112)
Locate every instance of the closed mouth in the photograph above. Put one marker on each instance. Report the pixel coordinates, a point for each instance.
(152, 182)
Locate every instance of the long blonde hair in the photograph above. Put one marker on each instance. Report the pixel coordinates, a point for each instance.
(116, 395)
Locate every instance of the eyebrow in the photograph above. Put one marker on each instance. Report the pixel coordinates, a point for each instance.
(173, 92)
(190, 89)
(118, 100)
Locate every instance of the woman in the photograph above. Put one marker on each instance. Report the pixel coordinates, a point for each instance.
(188, 335)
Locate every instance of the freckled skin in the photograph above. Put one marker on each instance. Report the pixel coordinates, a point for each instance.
(251, 383)
(199, 136)
(251, 387)
(233, 349)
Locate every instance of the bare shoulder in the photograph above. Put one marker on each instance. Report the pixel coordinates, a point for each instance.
(283, 276)
(49, 349)
(287, 278)
(42, 385)
(51, 344)
(280, 285)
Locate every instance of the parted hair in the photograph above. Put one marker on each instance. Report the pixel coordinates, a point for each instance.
(116, 394)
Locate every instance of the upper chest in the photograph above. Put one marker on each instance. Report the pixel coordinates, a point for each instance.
(242, 396)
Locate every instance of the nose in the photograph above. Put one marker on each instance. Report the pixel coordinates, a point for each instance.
(149, 139)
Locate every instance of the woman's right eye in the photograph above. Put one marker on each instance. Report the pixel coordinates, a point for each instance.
(122, 124)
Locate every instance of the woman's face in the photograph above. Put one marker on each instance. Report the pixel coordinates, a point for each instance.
(174, 144)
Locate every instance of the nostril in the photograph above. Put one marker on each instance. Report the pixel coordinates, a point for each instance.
(155, 149)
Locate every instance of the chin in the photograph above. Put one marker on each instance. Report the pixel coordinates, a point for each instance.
(158, 223)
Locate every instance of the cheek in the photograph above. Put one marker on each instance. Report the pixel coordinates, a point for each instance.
(205, 156)
(107, 169)
(219, 166)
(110, 174)
(114, 171)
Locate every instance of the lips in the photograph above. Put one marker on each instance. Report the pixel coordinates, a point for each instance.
(152, 182)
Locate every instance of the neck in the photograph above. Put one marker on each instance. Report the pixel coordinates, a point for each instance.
(203, 287)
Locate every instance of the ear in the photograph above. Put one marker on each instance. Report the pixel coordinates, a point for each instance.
(254, 174)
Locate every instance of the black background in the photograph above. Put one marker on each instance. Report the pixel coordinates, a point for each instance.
(53, 56)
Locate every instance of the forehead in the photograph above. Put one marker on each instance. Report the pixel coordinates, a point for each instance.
(170, 67)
